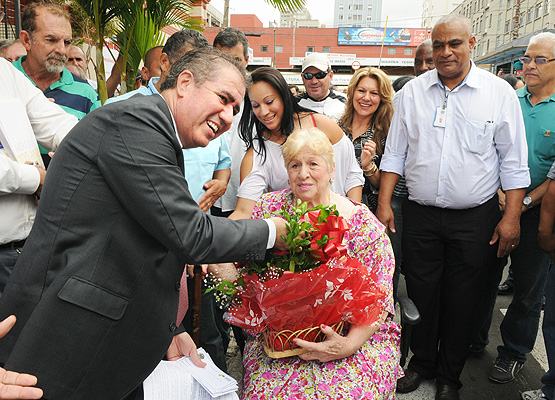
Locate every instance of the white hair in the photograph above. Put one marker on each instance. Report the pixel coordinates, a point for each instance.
(544, 37)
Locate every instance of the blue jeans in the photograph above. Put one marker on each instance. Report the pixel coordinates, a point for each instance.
(530, 265)
(549, 334)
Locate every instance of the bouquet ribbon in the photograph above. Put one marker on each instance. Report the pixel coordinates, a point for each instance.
(334, 229)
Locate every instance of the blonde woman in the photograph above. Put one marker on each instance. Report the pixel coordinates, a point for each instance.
(366, 122)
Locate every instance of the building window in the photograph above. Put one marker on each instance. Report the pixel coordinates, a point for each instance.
(529, 15)
(490, 19)
(546, 7)
(497, 41)
(538, 10)
(507, 26)
(500, 3)
(408, 52)
(310, 49)
(279, 49)
(326, 49)
(392, 50)
(264, 49)
(340, 16)
(500, 21)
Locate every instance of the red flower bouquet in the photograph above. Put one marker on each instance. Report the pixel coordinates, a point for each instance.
(292, 293)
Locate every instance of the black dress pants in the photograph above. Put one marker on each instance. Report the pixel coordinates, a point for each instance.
(446, 256)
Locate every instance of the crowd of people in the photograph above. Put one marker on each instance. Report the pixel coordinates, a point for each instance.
(436, 181)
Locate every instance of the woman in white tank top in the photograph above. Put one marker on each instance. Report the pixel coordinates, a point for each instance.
(270, 115)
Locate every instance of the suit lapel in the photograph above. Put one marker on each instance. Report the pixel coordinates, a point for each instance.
(164, 108)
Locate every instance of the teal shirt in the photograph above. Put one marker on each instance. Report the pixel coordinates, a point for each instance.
(539, 121)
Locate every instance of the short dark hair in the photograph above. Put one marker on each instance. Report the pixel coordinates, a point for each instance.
(204, 64)
(149, 56)
(401, 81)
(511, 79)
(183, 41)
(29, 17)
(290, 108)
(229, 37)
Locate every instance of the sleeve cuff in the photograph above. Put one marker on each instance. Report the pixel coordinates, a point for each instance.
(271, 234)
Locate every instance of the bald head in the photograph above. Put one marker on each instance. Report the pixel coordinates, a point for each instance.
(452, 44)
(464, 24)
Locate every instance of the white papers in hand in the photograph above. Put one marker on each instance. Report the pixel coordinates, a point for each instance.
(182, 380)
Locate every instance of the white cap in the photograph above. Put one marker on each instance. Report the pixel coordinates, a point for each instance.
(317, 60)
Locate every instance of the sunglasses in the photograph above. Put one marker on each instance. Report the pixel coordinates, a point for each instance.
(537, 60)
(319, 75)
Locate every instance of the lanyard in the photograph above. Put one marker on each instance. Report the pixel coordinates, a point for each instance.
(447, 93)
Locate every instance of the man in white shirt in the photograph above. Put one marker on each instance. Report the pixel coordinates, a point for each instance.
(317, 74)
(20, 184)
(455, 147)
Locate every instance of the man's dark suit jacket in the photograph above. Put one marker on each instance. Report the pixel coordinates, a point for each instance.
(96, 288)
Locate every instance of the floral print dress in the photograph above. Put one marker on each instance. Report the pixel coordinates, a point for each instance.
(372, 371)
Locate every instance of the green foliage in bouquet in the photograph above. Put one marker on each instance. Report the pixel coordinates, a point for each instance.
(300, 234)
(299, 257)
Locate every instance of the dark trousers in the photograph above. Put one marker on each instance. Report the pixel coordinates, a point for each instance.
(446, 256)
(549, 334)
(8, 258)
(214, 332)
(530, 266)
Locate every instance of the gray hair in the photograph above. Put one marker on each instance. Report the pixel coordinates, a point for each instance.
(454, 18)
(425, 43)
(204, 64)
(230, 37)
(544, 37)
(183, 41)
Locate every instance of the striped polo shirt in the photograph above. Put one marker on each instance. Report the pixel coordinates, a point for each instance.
(72, 93)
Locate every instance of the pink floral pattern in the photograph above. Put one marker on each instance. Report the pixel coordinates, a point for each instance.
(370, 373)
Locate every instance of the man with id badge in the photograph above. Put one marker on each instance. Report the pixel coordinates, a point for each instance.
(456, 147)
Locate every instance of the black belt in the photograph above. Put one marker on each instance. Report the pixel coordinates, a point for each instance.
(12, 245)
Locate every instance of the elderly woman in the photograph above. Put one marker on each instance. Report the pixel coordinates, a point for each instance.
(269, 116)
(362, 364)
(366, 122)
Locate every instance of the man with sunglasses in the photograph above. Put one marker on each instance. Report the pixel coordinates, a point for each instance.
(528, 262)
(319, 96)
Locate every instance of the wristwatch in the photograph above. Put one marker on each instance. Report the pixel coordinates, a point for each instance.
(527, 202)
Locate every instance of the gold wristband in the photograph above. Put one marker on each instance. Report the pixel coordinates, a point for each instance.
(371, 171)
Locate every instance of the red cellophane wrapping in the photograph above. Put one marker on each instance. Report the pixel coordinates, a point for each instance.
(341, 289)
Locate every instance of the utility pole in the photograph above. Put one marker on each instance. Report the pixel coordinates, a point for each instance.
(226, 14)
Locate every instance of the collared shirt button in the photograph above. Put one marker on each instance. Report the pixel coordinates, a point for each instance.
(173, 327)
(178, 286)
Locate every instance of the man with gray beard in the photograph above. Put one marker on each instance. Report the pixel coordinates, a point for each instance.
(46, 35)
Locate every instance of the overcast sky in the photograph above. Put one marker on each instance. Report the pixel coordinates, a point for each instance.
(400, 13)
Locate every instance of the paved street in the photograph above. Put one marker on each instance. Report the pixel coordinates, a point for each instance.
(476, 385)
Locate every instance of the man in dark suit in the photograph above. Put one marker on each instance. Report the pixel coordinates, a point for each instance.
(96, 287)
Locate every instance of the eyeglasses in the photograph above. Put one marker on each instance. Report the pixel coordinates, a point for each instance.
(319, 75)
(537, 60)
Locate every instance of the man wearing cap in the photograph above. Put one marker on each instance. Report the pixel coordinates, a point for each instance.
(317, 75)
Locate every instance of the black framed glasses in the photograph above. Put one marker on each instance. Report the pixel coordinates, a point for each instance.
(319, 75)
(537, 60)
